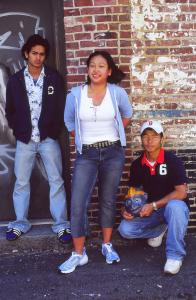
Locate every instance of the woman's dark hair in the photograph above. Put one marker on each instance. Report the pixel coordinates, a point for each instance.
(116, 75)
(35, 40)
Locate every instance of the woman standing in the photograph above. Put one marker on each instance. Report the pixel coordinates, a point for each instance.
(96, 113)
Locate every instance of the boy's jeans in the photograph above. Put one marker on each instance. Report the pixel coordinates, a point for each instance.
(50, 153)
(174, 215)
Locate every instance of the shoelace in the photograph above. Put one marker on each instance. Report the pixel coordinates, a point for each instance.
(73, 258)
(108, 247)
(61, 232)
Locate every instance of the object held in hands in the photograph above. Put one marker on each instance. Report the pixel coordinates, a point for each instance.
(135, 200)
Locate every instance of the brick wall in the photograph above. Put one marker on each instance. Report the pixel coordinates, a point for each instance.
(153, 42)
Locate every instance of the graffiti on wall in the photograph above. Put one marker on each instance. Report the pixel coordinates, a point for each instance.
(15, 27)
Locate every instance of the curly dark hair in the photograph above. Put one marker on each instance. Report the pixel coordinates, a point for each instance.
(116, 76)
(33, 41)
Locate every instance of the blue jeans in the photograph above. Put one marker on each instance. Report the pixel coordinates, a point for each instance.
(50, 153)
(174, 215)
(106, 164)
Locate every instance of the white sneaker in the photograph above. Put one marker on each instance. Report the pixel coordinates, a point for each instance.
(75, 260)
(172, 266)
(110, 254)
(156, 242)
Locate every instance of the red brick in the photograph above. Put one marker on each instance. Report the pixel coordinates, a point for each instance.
(123, 2)
(82, 70)
(177, 1)
(72, 62)
(114, 18)
(71, 12)
(83, 53)
(114, 26)
(84, 19)
(73, 29)
(125, 60)
(72, 46)
(105, 35)
(112, 43)
(83, 2)
(92, 11)
(75, 78)
(125, 34)
(167, 26)
(89, 27)
(173, 34)
(112, 51)
(104, 2)
(187, 26)
(69, 38)
(87, 44)
(185, 50)
(126, 51)
(125, 43)
(82, 36)
(68, 3)
(103, 18)
(125, 26)
(124, 18)
(69, 54)
(157, 51)
(165, 43)
(102, 26)
(71, 70)
(188, 8)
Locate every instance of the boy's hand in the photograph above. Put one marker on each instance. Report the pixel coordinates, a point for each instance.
(127, 216)
(146, 210)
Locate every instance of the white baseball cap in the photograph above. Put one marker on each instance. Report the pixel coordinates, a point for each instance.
(155, 125)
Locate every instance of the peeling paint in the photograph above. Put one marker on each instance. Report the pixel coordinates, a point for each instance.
(153, 36)
(149, 11)
(179, 78)
(165, 59)
(143, 75)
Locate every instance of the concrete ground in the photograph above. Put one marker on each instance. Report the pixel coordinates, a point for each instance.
(28, 270)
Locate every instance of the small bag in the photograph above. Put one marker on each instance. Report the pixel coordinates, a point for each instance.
(135, 200)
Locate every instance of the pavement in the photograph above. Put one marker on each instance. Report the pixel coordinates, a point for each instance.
(28, 270)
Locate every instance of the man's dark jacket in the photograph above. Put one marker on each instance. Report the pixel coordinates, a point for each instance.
(18, 109)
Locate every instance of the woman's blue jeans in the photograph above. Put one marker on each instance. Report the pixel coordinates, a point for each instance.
(174, 215)
(106, 165)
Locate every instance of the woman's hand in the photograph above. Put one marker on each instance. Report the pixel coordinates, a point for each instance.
(72, 133)
(126, 215)
(146, 210)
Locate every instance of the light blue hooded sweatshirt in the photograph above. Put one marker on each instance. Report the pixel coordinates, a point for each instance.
(122, 107)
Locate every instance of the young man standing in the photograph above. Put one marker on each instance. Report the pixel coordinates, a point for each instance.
(162, 176)
(34, 110)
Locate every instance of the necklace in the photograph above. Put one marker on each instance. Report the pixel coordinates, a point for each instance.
(96, 96)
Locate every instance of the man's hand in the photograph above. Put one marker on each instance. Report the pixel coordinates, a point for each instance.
(126, 215)
(146, 210)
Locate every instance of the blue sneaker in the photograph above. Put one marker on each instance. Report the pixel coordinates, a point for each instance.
(75, 260)
(110, 254)
(64, 235)
(13, 234)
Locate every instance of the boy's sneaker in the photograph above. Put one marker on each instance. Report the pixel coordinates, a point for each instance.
(110, 254)
(157, 241)
(13, 234)
(75, 260)
(64, 235)
(172, 266)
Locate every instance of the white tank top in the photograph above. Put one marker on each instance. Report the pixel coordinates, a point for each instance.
(98, 123)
